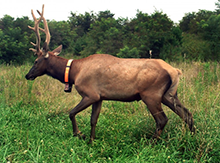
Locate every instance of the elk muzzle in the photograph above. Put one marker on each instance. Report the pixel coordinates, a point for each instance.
(29, 77)
(32, 74)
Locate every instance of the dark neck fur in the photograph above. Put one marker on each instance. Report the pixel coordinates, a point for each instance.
(56, 67)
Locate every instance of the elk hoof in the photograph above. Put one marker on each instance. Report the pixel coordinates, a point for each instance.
(90, 142)
(193, 130)
(80, 135)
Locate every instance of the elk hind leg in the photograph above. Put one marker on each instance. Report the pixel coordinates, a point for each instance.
(96, 108)
(175, 105)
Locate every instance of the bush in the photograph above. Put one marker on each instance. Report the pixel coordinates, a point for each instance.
(126, 52)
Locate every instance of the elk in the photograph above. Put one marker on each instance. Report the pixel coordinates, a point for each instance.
(105, 77)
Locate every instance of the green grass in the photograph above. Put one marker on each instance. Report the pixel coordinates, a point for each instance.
(35, 126)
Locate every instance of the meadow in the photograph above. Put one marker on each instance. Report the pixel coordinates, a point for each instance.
(35, 125)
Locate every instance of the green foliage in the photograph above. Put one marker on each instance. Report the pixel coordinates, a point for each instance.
(105, 36)
(173, 47)
(217, 4)
(191, 22)
(212, 34)
(13, 45)
(13, 40)
(151, 32)
(61, 34)
(195, 48)
(202, 39)
(81, 23)
(196, 36)
(78, 45)
(126, 52)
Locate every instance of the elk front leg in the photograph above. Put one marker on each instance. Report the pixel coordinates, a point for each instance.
(84, 103)
(154, 106)
(96, 107)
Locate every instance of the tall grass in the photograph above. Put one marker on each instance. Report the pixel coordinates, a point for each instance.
(35, 127)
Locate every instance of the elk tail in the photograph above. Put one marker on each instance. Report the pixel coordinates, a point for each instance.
(175, 75)
(179, 71)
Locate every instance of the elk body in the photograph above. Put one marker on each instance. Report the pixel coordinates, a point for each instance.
(104, 77)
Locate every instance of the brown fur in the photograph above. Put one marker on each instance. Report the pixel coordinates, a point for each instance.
(105, 77)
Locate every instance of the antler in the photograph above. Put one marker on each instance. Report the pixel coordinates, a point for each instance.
(36, 29)
(46, 29)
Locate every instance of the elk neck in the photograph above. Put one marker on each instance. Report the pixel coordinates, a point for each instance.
(56, 67)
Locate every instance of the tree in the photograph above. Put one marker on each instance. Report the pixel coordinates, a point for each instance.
(6, 22)
(191, 22)
(186, 20)
(105, 35)
(23, 24)
(81, 23)
(212, 35)
(217, 4)
(105, 15)
(151, 32)
(61, 34)
(14, 46)
(126, 52)
(14, 43)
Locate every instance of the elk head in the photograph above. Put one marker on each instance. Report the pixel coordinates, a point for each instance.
(40, 65)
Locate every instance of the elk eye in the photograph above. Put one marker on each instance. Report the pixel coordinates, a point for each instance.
(35, 62)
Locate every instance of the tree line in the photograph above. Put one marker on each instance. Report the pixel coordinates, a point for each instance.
(195, 37)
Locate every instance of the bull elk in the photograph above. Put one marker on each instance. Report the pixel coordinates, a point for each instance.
(104, 77)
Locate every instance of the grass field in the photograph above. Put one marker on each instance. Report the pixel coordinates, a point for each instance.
(35, 126)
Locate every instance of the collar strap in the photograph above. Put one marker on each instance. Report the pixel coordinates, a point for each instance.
(67, 70)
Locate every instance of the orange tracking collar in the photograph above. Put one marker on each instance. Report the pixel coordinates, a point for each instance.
(67, 70)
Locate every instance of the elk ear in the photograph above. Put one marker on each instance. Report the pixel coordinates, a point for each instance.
(45, 50)
(58, 50)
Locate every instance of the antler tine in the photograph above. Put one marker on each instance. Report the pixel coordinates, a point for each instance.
(41, 14)
(33, 44)
(46, 29)
(34, 50)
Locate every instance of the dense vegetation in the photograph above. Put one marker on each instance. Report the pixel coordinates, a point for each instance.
(196, 37)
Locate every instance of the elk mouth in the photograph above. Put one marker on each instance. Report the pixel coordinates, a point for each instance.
(28, 77)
